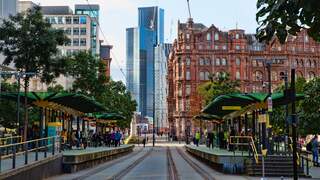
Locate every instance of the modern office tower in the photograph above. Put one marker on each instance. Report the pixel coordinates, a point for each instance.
(93, 12)
(140, 61)
(161, 54)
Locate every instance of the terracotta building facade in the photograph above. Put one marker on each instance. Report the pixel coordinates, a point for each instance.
(200, 51)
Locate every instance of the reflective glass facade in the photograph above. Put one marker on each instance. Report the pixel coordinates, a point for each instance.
(140, 57)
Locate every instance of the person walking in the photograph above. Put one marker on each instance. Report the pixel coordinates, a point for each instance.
(315, 150)
(144, 142)
(197, 138)
(117, 139)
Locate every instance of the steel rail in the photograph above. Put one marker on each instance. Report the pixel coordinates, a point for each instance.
(203, 173)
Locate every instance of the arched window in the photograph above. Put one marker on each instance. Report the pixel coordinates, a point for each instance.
(314, 63)
(207, 61)
(311, 75)
(201, 75)
(237, 75)
(216, 36)
(296, 63)
(257, 76)
(238, 62)
(201, 61)
(207, 75)
(299, 74)
(274, 76)
(301, 63)
(223, 62)
(309, 63)
(208, 37)
(217, 62)
(188, 61)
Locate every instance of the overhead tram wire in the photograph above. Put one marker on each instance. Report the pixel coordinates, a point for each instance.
(106, 40)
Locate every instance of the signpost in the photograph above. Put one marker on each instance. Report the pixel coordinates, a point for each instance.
(231, 108)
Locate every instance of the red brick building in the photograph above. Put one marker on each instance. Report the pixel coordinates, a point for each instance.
(199, 51)
(105, 57)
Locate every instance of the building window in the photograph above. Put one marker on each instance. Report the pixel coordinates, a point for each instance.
(254, 63)
(207, 76)
(83, 20)
(180, 90)
(207, 62)
(83, 42)
(306, 38)
(311, 75)
(301, 63)
(238, 62)
(237, 36)
(216, 47)
(75, 20)
(314, 63)
(217, 62)
(187, 47)
(188, 89)
(237, 47)
(260, 63)
(257, 76)
(208, 37)
(76, 31)
(188, 36)
(201, 61)
(68, 20)
(188, 61)
(201, 75)
(216, 36)
(188, 76)
(309, 63)
(237, 75)
(296, 63)
(274, 76)
(223, 62)
(83, 31)
(68, 31)
(188, 105)
(224, 47)
(75, 42)
(60, 20)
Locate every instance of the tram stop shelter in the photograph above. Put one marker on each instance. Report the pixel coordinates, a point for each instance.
(58, 110)
(104, 121)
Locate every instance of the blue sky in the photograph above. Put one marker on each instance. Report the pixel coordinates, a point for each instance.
(117, 15)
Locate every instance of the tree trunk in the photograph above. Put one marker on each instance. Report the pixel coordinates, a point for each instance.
(26, 122)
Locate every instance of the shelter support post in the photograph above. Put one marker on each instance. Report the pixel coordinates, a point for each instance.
(246, 124)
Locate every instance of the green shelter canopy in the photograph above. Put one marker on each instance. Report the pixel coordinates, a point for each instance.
(70, 102)
(110, 116)
(226, 104)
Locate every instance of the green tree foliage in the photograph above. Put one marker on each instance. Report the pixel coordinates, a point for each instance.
(218, 85)
(283, 17)
(310, 115)
(8, 108)
(90, 79)
(29, 42)
(57, 88)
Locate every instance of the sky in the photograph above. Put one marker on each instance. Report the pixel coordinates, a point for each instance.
(117, 15)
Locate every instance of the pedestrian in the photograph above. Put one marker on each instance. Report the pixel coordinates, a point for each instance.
(197, 138)
(315, 150)
(144, 142)
(117, 138)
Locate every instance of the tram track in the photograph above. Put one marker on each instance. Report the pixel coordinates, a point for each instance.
(109, 165)
(203, 173)
(172, 169)
(123, 172)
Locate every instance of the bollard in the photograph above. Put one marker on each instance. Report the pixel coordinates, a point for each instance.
(26, 153)
(45, 148)
(14, 158)
(53, 145)
(37, 150)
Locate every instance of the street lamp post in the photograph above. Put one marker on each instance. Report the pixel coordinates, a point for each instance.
(284, 76)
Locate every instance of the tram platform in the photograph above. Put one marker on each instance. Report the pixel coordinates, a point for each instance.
(232, 162)
(76, 160)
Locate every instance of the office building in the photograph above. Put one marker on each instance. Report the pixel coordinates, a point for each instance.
(140, 61)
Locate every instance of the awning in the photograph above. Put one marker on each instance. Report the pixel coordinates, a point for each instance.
(208, 117)
(237, 104)
(68, 102)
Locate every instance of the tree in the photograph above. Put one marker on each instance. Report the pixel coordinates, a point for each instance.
(310, 114)
(57, 88)
(29, 42)
(218, 85)
(90, 79)
(283, 17)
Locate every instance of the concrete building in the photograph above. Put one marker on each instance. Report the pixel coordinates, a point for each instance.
(8, 7)
(161, 54)
(200, 51)
(140, 57)
(105, 57)
(25, 5)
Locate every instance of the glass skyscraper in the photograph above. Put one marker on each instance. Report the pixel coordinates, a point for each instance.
(93, 12)
(141, 42)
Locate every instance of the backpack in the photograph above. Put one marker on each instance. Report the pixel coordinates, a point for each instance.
(309, 146)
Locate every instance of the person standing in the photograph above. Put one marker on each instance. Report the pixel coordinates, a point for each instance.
(197, 138)
(315, 150)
